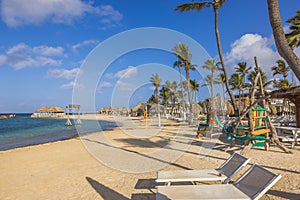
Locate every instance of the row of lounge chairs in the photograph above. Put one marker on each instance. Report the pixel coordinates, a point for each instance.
(255, 182)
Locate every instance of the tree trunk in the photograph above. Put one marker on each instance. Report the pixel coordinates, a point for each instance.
(232, 98)
(189, 97)
(182, 91)
(280, 40)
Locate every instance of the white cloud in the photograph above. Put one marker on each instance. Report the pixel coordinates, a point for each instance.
(152, 88)
(63, 73)
(249, 45)
(67, 86)
(48, 51)
(16, 13)
(71, 85)
(109, 75)
(2, 59)
(84, 43)
(286, 29)
(126, 73)
(122, 86)
(21, 56)
(105, 84)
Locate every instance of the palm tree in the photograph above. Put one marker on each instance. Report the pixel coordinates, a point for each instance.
(236, 81)
(284, 84)
(174, 94)
(293, 37)
(252, 75)
(216, 4)
(179, 65)
(165, 94)
(281, 68)
(210, 81)
(156, 80)
(280, 40)
(172, 87)
(242, 69)
(264, 78)
(195, 88)
(151, 99)
(221, 80)
(212, 66)
(183, 54)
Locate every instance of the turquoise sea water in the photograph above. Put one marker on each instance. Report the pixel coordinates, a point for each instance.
(24, 131)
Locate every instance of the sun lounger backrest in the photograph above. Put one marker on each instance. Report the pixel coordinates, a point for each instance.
(233, 165)
(256, 181)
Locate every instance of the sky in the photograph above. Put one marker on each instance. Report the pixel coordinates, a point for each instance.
(57, 52)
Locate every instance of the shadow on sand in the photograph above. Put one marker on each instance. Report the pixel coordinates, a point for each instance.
(110, 194)
(105, 192)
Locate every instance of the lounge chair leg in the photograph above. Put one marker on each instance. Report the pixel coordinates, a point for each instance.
(246, 148)
(267, 145)
(232, 144)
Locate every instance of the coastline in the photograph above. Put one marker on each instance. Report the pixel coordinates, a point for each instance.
(35, 134)
(66, 169)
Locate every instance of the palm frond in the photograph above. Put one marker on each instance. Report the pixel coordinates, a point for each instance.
(192, 6)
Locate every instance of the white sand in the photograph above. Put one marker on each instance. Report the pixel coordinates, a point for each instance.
(66, 170)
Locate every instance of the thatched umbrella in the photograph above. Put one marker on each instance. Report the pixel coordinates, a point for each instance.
(124, 111)
(272, 110)
(197, 109)
(230, 109)
(138, 110)
(50, 109)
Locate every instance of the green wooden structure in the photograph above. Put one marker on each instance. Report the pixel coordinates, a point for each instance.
(257, 131)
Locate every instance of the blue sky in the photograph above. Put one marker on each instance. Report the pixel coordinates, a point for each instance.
(44, 44)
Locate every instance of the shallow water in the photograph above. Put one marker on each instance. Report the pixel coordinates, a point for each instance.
(24, 131)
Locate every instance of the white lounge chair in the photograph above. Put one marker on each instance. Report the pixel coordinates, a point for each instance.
(252, 185)
(224, 173)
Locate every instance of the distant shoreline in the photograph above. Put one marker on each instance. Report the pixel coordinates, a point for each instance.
(35, 136)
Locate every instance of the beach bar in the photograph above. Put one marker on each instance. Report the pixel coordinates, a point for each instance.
(49, 112)
(292, 94)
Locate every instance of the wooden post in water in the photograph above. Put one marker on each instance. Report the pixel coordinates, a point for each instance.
(78, 121)
(68, 123)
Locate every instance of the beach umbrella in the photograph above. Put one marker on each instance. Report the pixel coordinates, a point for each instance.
(50, 109)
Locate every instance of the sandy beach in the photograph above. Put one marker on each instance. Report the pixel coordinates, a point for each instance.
(90, 168)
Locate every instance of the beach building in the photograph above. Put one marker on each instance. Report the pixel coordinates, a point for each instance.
(49, 112)
(6, 116)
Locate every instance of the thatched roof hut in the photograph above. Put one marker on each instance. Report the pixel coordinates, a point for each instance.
(50, 109)
(138, 110)
(197, 109)
(293, 94)
(48, 112)
(230, 109)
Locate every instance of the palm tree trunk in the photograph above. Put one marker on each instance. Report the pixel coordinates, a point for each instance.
(182, 90)
(222, 62)
(189, 97)
(239, 106)
(280, 40)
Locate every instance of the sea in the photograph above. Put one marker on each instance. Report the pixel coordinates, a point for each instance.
(25, 131)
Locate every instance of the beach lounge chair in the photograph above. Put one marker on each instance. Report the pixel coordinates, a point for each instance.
(224, 173)
(252, 185)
